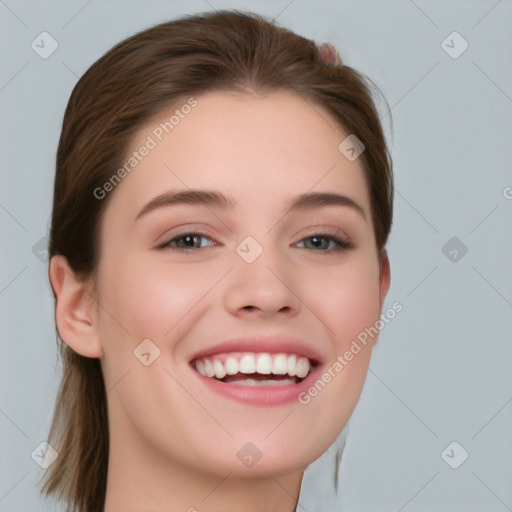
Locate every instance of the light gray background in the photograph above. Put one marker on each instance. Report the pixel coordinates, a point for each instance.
(442, 369)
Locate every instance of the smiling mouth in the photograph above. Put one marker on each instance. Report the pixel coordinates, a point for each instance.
(255, 369)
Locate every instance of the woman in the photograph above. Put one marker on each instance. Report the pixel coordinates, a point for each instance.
(223, 197)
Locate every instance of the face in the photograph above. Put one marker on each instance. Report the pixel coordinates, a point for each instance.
(240, 292)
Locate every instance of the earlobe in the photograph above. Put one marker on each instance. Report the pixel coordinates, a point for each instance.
(75, 309)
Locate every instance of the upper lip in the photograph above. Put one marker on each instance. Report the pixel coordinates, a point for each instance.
(277, 344)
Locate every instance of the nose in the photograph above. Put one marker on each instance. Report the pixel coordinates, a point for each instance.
(263, 288)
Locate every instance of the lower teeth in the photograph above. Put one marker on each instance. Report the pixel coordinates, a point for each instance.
(267, 382)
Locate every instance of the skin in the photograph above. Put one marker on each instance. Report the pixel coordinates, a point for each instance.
(173, 443)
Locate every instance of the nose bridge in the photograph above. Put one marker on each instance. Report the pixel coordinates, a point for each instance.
(259, 280)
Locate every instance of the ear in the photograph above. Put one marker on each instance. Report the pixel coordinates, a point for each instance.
(76, 309)
(385, 277)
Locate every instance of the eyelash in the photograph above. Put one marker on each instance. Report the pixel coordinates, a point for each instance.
(340, 244)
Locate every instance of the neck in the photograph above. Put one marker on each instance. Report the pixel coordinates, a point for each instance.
(140, 478)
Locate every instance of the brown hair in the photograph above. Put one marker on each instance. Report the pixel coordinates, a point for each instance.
(131, 84)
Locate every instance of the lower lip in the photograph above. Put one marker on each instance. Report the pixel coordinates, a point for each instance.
(260, 395)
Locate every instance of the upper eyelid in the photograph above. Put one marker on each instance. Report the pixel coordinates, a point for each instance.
(323, 226)
(186, 229)
(314, 230)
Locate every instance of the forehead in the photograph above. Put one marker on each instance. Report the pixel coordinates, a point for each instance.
(255, 148)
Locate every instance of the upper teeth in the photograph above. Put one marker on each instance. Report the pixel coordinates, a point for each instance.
(248, 362)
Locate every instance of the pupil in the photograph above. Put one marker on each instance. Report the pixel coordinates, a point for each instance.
(317, 242)
(189, 240)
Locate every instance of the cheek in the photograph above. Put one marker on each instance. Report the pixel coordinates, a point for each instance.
(152, 299)
(349, 304)
(348, 299)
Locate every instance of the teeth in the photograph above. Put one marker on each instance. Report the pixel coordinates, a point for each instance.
(269, 382)
(264, 364)
(291, 363)
(208, 368)
(219, 369)
(200, 367)
(279, 366)
(249, 363)
(302, 367)
(231, 366)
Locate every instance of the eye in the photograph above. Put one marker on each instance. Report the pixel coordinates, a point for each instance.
(187, 242)
(194, 240)
(326, 243)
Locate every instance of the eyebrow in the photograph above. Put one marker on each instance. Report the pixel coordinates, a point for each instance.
(214, 199)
